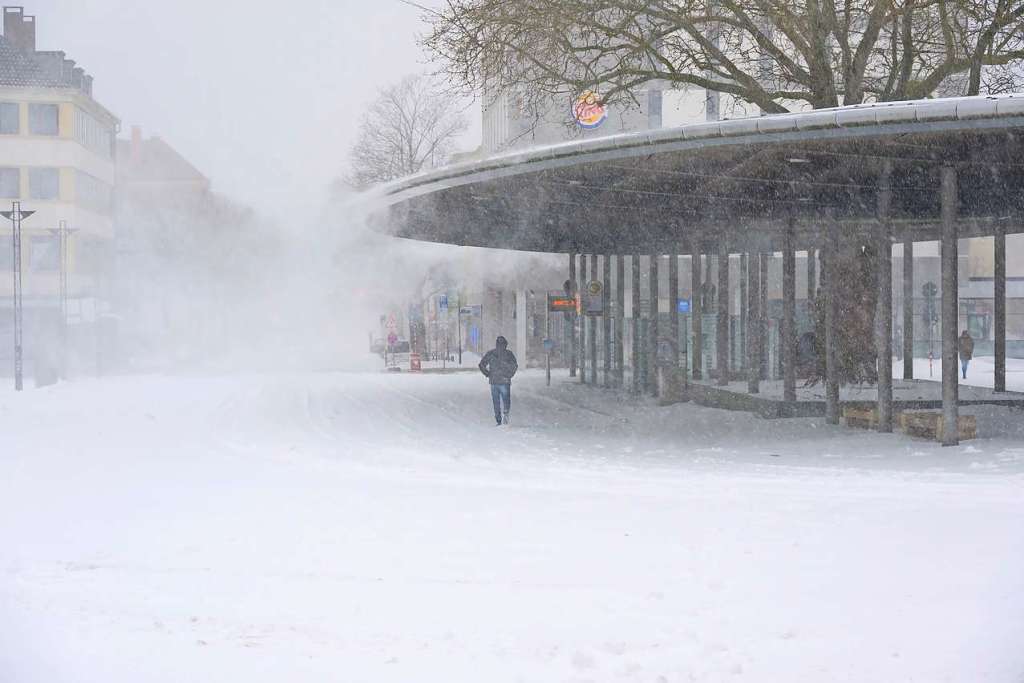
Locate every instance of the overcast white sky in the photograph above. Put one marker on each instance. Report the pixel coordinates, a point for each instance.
(264, 97)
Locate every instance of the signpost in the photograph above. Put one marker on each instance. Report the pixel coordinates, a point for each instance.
(561, 303)
(684, 305)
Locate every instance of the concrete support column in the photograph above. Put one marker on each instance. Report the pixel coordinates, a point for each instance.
(789, 316)
(722, 323)
(883, 313)
(572, 319)
(652, 363)
(592, 327)
(828, 285)
(635, 274)
(673, 312)
(753, 324)
(999, 306)
(606, 319)
(696, 322)
(620, 319)
(908, 307)
(583, 319)
(950, 309)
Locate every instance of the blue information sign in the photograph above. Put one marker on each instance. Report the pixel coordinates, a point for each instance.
(684, 305)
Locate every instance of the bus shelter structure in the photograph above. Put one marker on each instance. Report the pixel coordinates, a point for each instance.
(813, 182)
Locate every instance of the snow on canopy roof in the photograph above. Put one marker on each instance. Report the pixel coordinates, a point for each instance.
(745, 177)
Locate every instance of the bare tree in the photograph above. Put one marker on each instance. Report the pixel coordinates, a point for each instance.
(411, 125)
(777, 54)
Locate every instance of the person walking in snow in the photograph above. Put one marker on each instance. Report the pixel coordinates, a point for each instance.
(966, 351)
(499, 366)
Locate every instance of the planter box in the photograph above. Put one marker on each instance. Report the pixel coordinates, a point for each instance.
(930, 425)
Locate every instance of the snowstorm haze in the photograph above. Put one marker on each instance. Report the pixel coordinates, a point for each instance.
(762, 423)
(263, 97)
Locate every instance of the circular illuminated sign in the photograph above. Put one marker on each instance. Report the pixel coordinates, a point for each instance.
(588, 110)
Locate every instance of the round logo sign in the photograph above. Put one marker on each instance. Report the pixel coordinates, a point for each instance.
(588, 110)
(595, 287)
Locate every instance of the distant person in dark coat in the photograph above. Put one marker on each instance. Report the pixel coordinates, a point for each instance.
(499, 366)
(966, 351)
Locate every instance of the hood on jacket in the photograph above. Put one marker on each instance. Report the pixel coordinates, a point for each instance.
(501, 343)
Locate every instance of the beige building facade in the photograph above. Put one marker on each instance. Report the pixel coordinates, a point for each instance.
(57, 158)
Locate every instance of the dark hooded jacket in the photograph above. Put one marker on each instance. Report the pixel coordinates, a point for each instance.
(499, 364)
(966, 346)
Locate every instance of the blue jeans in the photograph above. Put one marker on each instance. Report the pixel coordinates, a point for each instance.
(501, 393)
(963, 366)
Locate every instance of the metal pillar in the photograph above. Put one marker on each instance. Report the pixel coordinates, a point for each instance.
(829, 256)
(547, 335)
(635, 290)
(763, 311)
(583, 319)
(592, 328)
(752, 333)
(722, 322)
(696, 313)
(883, 313)
(572, 317)
(789, 316)
(652, 379)
(812, 286)
(673, 313)
(606, 320)
(999, 306)
(908, 306)
(620, 320)
(950, 309)
(742, 360)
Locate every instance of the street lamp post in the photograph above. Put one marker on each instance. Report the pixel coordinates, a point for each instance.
(16, 215)
(63, 234)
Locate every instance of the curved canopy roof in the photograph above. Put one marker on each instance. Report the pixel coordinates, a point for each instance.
(745, 179)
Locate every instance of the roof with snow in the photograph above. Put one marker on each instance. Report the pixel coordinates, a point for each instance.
(747, 179)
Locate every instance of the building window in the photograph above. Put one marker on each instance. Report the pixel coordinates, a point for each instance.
(43, 119)
(44, 183)
(45, 256)
(94, 135)
(10, 183)
(93, 193)
(10, 118)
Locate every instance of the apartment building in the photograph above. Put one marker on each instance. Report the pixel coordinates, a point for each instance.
(57, 158)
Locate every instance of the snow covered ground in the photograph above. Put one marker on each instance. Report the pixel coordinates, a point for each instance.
(375, 527)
